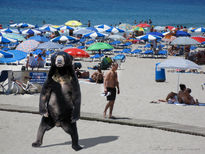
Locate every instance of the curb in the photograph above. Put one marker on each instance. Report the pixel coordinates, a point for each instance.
(167, 126)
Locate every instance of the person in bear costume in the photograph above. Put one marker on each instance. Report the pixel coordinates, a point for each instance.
(60, 99)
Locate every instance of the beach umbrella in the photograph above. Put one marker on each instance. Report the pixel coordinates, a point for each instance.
(125, 26)
(159, 28)
(115, 30)
(17, 55)
(148, 37)
(199, 39)
(49, 45)
(75, 52)
(22, 25)
(31, 32)
(28, 45)
(184, 41)
(14, 36)
(73, 23)
(103, 26)
(39, 38)
(92, 29)
(182, 33)
(63, 39)
(99, 46)
(178, 63)
(48, 29)
(138, 29)
(82, 31)
(5, 54)
(6, 40)
(116, 37)
(65, 28)
(171, 28)
(143, 25)
(94, 35)
(156, 34)
(8, 30)
(198, 30)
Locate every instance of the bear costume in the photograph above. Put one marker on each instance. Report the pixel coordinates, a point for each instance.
(60, 99)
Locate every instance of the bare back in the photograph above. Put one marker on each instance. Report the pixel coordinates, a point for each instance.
(111, 79)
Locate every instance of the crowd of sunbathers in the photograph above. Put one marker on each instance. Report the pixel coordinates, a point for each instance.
(182, 97)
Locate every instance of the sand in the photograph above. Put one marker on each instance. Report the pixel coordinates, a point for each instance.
(138, 88)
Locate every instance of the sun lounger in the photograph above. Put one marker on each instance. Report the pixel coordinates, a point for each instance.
(136, 52)
(147, 53)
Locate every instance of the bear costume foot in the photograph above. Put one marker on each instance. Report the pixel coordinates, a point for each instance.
(77, 147)
(36, 144)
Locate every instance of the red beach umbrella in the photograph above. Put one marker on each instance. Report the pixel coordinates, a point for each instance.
(75, 52)
(143, 25)
(199, 39)
(171, 28)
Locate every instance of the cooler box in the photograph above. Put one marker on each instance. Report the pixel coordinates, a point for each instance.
(159, 74)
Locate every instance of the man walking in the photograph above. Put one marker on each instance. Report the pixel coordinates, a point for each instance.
(110, 85)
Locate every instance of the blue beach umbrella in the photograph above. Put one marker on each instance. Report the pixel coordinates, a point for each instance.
(103, 26)
(31, 32)
(8, 30)
(82, 31)
(63, 39)
(182, 33)
(94, 35)
(115, 30)
(148, 37)
(6, 54)
(156, 34)
(65, 28)
(48, 29)
(18, 37)
(39, 38)
(6, 40)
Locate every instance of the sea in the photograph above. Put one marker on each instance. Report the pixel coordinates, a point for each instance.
(189, 13)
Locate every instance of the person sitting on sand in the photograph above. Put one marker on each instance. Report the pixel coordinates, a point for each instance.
(173, 97)
(187, 98)
(97, 76)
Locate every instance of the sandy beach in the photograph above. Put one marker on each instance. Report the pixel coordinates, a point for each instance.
(138, 89)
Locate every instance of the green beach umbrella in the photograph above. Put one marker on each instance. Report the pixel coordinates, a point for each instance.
(99, 46)
(18, 37)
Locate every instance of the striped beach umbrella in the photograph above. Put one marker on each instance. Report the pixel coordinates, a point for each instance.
(65, 28)
(22, 25)
(94, 35)
(148, 37)
(143, 25)
(200, 39)
(14, 36)
(6, 40)
(115, 30)
(63, 39)
(48, 29)
(198, 30)
(31, 32)
(8, 30)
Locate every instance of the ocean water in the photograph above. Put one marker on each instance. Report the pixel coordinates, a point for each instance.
(188, 13)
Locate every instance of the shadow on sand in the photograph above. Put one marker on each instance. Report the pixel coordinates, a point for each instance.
(87, 143)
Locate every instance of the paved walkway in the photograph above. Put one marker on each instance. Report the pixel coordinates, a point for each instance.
(174, 127)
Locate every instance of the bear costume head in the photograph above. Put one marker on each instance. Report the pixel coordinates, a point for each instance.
(61, 63)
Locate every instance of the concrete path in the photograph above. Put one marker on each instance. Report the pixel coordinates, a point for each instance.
(173, 127)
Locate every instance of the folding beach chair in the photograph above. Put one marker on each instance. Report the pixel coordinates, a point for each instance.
(3, 78)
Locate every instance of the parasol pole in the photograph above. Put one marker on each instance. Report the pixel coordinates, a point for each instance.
(178, 83)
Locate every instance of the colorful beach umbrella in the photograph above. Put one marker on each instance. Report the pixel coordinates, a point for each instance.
(63, 39)
(77, 53)
(94, 35)
(136, 28)
(73, 23)
(31, 32)
(6, 40)
(99, 46)
(125, 26)
(28, 45)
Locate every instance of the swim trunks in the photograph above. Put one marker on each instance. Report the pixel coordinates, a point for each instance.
(112, 95)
